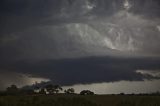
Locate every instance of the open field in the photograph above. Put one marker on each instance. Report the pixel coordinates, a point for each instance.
(80, 100)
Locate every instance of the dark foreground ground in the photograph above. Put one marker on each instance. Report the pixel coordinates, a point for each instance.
(79, 100)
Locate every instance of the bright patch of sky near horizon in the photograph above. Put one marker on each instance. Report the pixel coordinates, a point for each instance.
(20, 80)
(128, 87)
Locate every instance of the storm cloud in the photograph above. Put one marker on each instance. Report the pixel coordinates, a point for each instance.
(89, 70)
(80, 41)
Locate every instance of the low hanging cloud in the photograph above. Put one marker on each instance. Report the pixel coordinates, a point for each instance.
(152, 73)
(88, 70)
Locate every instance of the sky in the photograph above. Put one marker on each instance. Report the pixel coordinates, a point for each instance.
(109, 45)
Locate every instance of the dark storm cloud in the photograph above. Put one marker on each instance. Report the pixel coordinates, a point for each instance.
(17, 15)
(88, 70)
(20, 14)
(75, 28)
(36, 37)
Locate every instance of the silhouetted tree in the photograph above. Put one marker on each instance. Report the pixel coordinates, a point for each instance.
(42, 91)
(13, 89)
(37, 89)
(86, 92)
(122, 93)
(57, 88)
(51, 89)
(69, 91)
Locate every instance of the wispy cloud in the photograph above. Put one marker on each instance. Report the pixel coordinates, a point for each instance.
(153, 73)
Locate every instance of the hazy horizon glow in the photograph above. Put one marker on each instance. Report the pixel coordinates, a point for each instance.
(127, 87)
(18, 79)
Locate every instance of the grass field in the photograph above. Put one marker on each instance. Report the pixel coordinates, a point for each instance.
(80, 100)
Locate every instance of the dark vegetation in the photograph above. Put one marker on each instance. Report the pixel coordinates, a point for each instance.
(79, 100)
(86, 92)
(51, 100)
(52, 95)
(43, 90)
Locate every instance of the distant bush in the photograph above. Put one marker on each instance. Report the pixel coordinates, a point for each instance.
(69, 91)
(12, 90)
(122, 94)
(86, 92)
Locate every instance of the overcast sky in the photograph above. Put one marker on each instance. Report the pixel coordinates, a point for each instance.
(72, 42)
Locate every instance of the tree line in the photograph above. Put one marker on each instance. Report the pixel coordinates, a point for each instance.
(51, 89)
(48, 89)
